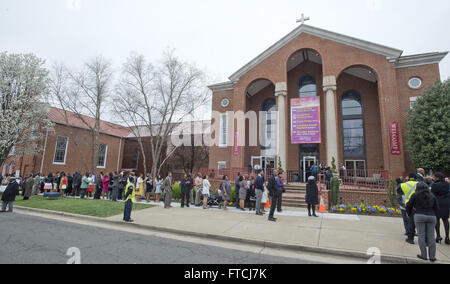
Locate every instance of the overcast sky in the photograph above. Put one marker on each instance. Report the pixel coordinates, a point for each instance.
(219, 36)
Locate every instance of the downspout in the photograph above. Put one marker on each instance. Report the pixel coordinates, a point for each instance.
(43, 153)
(119, 155)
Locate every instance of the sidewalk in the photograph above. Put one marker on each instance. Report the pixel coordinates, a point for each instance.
(331, 233)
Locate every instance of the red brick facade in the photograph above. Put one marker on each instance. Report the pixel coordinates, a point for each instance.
(78, 156)
(384, 100)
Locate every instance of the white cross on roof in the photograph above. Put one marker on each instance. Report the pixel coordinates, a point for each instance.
(303, 19)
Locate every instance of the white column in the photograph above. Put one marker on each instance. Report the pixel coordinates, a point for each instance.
(329, 87)
(281, 94)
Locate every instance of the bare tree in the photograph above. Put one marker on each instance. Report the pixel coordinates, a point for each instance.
(190, 158)
(85, 96)
(60, 94)
(155, 100)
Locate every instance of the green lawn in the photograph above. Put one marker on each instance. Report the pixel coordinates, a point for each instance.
(96, 208)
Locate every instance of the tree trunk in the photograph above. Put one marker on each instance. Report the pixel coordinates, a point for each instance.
(144, 158)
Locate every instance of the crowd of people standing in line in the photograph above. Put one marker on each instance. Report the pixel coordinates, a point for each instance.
(101, 186)
(251, 192)
(425, 202)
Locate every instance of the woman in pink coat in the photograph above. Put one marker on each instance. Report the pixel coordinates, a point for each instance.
(105, 182)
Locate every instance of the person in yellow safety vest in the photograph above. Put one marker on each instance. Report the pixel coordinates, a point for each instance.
(409, 188)
(130, 198)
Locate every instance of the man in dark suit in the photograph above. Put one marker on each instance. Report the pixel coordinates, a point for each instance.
(259, 189)
(76, 184)
(236, 189)
(275, 193)
(186, 186)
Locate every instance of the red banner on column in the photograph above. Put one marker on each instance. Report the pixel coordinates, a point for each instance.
(236, 151)
(395, 139)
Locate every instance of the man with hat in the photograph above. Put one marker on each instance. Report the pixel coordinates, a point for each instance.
(409, 188)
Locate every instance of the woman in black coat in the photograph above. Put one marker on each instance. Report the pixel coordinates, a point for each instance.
(9, 196)
(69, 189)
(440, 189)
(312, 196)
(98, 187)
(328, 177)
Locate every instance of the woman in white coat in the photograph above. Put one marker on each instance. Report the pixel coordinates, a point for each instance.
(205, 191)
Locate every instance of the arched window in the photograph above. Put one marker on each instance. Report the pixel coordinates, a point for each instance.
(307, 87)
(353, 126)
(269, 128)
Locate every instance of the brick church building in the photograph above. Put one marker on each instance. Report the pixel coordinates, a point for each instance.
(362, 93)
(68, 148)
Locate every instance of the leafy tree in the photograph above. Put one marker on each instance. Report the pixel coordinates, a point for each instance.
(23, 112)
(428, 129)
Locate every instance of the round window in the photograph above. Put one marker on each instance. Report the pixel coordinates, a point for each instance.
(225, 102)
(415, 83)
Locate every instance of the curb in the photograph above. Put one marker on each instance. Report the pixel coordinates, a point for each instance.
(266, 244)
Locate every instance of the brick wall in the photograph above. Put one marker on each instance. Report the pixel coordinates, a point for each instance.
(372, 119)
(384, 102)
(429, 75)
(217, 153)
(294, 77)
(371, 198)
(79, 147)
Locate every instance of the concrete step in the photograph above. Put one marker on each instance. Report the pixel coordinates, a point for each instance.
(290, 195)
(295, 192)
(295, 204)
(294, 200)
(294, 188)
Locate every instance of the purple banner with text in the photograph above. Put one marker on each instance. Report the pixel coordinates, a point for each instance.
(305, 121)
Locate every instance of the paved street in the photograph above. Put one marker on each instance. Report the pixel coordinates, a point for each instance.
(29, 239)
(348, 233)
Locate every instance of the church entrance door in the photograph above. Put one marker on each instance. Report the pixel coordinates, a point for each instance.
(309, 155)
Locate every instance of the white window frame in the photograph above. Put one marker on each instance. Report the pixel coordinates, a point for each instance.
(412, 102)
(11, 167)
(106, 156)
(12, 152)
(219, 163)
(222, 133)
(412, 87)
(65, 153)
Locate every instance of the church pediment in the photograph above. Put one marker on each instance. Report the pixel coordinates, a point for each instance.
(390, 53)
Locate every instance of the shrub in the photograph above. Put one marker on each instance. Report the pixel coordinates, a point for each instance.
(428, 134)
(392, 192)
(334, 185)
(333, 165)
(176, 192)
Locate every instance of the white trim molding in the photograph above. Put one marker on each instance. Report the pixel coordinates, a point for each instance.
(65, 153)
(224, 131)
(224, 163)
(226, 86)
(420, 59)
(332, 36)
(106, 156)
